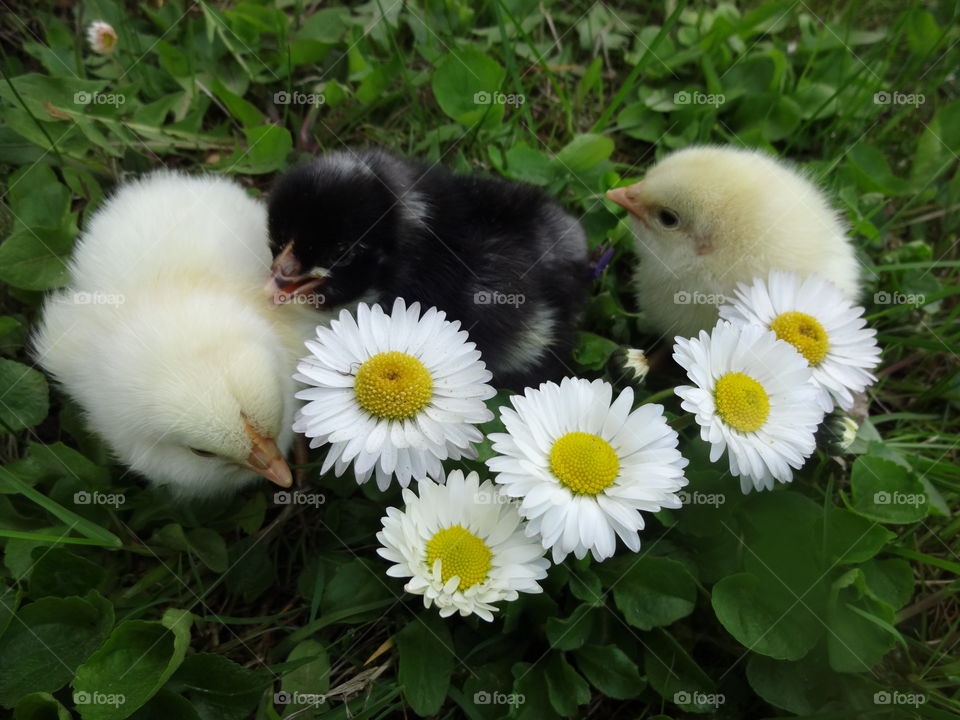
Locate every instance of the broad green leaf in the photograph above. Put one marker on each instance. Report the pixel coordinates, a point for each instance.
(24, 396)
(426, 662)
(40, 706)
(889, 580)
(610, 671)
(565, 687)
(135, 662)
(355, 583)
(218, 687)
(886, 492)
(466, 84)
(851, 538)
(36, 258)
(313, 678)
(650, 592)
(861, 628)
(764, 618)
(801, 687)
(59, 460)
(47, 640)
(267, 149)
(324, 26)
(673, 673)
(37, 197)
(571, 632)
(923, 31)
(531, 684)
(60, 572)
(585, 151)
(592, 351)
(529, 165)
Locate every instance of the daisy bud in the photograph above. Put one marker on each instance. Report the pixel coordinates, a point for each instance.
(102, 37)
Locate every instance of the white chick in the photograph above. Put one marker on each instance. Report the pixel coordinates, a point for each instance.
(707, 218)
(166, 340)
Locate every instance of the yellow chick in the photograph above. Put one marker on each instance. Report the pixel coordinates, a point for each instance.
(165, 337)
(706, 218)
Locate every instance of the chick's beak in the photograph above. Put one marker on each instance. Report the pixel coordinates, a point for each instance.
(266, 459)
(287, 278)
(629, 199)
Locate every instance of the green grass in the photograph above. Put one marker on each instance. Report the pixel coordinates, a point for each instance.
(861, 599)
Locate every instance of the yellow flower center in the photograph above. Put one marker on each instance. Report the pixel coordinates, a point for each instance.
(393, 385)
(461, 554)
(805, 333)
(742, 403)
(584, 463)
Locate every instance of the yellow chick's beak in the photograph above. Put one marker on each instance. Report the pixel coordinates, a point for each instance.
(266, 459)
(286, 280)
(629, 199)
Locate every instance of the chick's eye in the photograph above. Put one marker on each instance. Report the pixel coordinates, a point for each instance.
(202, 453)
(668, 218)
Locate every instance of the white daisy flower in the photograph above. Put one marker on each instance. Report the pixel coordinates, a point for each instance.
(753, 398)
(102, 37)
(814, 316)
(586, 467)
(462, 546)
(393, 394)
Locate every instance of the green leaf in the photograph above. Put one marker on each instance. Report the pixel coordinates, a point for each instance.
(46, 642)
(923, 31)
(40, 706)
(313, 678)
(37, 197)
(763, 617)
(24, 396)
(889, 580)
(36, 258)
(801, 687)
(851, 538)
(585, 151)
(592, 351)
(58, 460)
(465, 84)
(531, 685)
(135, 662)
(886, 492)
(861, 628)
(565, 687)
(529, 165)
(245, 112)
(354, 583)
(571, 632)
(610, 671)
(673, 673)
(218, 687)
(267, 150)
(426, 663)
(324, 26)
(650, 592)
(60, 572)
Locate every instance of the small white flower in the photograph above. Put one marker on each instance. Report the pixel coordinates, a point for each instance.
(814, 316)
(586, 467)
(461, 547)
(752, 397)
(393, 394)
(636, 364)
(102, 37)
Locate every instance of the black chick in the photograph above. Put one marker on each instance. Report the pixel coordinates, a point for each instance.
(501, 257)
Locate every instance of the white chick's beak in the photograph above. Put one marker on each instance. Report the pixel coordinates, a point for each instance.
(629, 199)
(286, 279)
(266, 459)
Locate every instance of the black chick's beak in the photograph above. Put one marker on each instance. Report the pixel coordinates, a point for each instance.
(287, 281)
